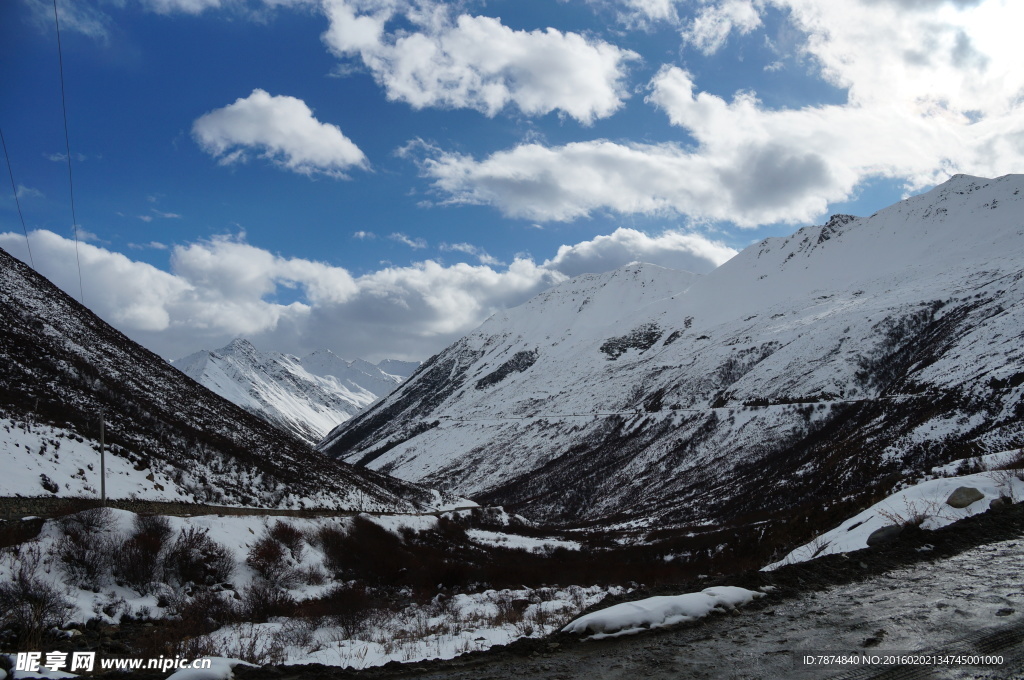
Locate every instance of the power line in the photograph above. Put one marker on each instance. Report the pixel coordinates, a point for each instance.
(14, 188)
(67, 146)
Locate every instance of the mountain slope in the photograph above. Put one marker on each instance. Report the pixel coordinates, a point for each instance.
(167, 437)
(806, 372)
(307, 397)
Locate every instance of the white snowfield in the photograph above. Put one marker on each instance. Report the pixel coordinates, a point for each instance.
(307, 396)
(630, 618)
(923, 504)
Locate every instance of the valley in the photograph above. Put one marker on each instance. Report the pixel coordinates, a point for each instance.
(641, 432)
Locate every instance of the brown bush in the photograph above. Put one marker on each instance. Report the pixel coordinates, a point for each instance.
(289, 537)
(138, 561)
(29, 606)
(261, 602)
(267, 558)
(197, 559)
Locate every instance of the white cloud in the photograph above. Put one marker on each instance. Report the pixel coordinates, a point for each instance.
(63, 157)
(711, 27)
(364, 235)
(79, 17)
(672, 249)
(414, 243)
(166, 215)
(918, 117)
(27, 192)
(223, 288)
(186, 6)
(569, 182)
(469, 249)
(141, 307)
(281, 129)
(936, 56)
(477, 62)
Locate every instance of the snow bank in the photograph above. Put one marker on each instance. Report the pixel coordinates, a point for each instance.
(220, 669)
(630, 618)
(923, 503)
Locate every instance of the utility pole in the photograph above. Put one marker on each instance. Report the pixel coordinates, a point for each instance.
(103, 465)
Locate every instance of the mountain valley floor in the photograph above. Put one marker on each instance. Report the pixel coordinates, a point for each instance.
(956, 590)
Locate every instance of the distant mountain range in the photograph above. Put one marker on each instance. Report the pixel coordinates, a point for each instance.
(167, 438)
(306, 396)
(809, 372)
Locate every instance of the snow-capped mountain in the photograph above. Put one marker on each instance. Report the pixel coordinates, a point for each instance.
(805, 374)
(307, 397)
(167, 438)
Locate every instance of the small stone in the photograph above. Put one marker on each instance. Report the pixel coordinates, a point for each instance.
(963, 496)
(553, 645)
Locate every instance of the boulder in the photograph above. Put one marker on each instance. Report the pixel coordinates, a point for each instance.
(999, 503)
(963, 496)
(886, 534)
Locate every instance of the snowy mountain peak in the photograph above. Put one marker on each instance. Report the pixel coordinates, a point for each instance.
(165, 437)
(306, 396)
(634, 392)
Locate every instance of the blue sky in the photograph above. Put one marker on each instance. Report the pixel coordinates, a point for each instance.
(378, 176)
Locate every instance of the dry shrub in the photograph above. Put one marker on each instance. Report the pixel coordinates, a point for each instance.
(197, 559)
(262, 602)
(85, 549)
(93, 521)
(348, 607)
(29, 606)
(267, 557)
(290, 537)
(139, 559)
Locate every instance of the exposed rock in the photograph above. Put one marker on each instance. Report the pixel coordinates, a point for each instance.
(999, 503)
(885, 535)
(963, 496)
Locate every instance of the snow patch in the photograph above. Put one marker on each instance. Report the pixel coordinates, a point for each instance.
(630, 618)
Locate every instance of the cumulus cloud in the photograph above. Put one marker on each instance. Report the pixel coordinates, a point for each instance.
(672, 249)
(712, 25)
(477, 62)
(281, 129)
(222, 288)
(952, 106)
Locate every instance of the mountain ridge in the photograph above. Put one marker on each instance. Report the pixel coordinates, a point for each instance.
(877, 335)
(167, 438)
(305, 396)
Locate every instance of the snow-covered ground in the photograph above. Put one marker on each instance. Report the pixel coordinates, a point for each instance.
(923, 504)
(69, 465)
(443, 629)
(451, 623)
(55, 462)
